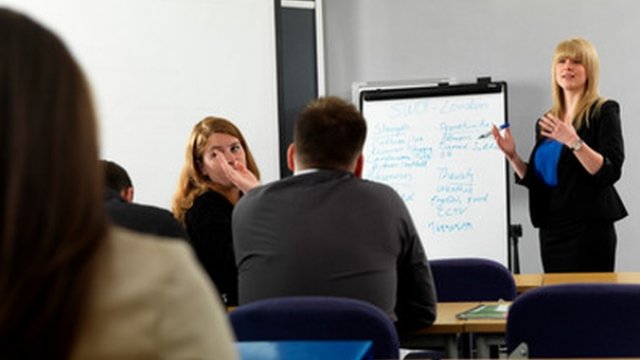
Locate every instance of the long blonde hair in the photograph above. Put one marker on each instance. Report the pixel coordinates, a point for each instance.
(193, 182)
(584, 51)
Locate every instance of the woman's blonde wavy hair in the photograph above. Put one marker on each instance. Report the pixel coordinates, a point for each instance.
(581, 50)
(193, 182)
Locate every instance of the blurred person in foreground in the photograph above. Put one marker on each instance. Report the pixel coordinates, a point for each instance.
(73, 287)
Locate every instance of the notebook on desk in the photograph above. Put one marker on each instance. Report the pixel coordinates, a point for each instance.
(485, 311)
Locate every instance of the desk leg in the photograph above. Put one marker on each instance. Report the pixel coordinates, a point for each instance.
(484, 342)
(482, 348)
(447, 341)
(451, 346)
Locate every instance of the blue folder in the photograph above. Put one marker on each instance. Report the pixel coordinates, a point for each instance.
(287, 350)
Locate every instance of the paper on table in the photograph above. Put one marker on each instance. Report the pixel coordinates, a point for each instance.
(496, 311)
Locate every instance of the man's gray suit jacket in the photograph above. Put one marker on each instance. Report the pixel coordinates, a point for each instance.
(331, 233)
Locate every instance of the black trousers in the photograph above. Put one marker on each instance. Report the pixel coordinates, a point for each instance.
(578, 246)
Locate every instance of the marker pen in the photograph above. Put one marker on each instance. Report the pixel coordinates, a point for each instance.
(488, 133)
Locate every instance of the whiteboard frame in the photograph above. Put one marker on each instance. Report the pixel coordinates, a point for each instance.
(442, 87)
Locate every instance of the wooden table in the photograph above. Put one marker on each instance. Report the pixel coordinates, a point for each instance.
(526, 282)
(487, 332)
(491, 331)
(443, 332)
(600, 277)
(446, 320)
(447, 327)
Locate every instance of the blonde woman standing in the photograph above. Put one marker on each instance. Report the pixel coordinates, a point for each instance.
(573, 167)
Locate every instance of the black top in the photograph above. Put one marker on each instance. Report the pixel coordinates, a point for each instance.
(142, 218)
(208, 223)
(580, 195)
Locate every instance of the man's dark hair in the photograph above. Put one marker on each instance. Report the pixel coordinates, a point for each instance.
(329, 133)
(116, 177)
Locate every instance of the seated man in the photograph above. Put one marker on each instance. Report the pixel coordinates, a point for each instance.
(325, 231)
(123, 212)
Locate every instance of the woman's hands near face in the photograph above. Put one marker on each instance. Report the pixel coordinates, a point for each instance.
(237, 173)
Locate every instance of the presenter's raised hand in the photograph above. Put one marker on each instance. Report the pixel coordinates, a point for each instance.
(505, 143)
(554, 128)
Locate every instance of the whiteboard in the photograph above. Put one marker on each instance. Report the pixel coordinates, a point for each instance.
(424, 142)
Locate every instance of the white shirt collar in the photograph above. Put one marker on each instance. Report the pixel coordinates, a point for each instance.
(305, 171)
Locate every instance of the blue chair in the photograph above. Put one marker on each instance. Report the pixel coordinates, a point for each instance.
(316, 318)
(472, 279)
(575, 320)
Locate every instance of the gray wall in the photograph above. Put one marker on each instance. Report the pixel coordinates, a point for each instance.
(380, 40)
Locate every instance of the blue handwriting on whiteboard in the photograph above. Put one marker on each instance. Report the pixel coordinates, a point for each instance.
(478, 199)
(452, 106)
(407, 109)
(458, 226)
(464, 188)
(445, 173)
(390, 130)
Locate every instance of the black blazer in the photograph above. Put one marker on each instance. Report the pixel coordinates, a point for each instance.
(142, 218)
(580, 195)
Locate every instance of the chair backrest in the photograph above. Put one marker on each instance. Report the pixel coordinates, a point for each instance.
(576, 320)
(472, 279)
(316, 318)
